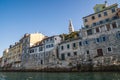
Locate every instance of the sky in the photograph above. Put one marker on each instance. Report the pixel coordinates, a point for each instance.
(49, 17)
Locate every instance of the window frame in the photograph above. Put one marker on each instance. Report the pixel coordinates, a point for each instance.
(110, 49)
(113, 10)
(93, 17)
(99, 15)
(105, 13)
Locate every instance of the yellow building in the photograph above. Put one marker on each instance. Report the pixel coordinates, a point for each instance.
(14, 55)
(4, 58)
(103, 13)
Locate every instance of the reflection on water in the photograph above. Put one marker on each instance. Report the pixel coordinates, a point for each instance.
(59, 76)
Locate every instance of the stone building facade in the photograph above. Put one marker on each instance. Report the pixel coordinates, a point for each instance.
(29, 40)
(98, 43)
(44, 53)
(99, 38)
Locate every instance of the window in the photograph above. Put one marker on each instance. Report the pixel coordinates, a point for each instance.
(105, 14)
(109, 49)
(97, 30)
(75, 53)
(52, 45)
(108, 27)
(89, 32)
(97, 40)
(87, 51)
(101, 22)
(47, 46)
(86, 42)
(118, 35)
(51, 39)
(114, 17)
(99, 15)
(32, 51)
(68, 46)
(93, 17)
(86, 26)
(63, 56)
(85, 20)
(114, 25)
(100, 52)
(94, 24)
(113, 10)
(107, 20)
(47, 40)
(68, 54)
(41, 61)
(74, 45)
(62, 47)
(40, 48)
(80, 43)
(103, 38)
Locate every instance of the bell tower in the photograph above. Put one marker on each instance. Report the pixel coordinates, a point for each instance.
(71, 28)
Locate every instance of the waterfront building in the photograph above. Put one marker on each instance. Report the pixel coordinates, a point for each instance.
(0, 62)
(29, 40)
(97, 43)
(4, 58)
(102, 31)
(13, 58)
(44, 54)
(99, 37)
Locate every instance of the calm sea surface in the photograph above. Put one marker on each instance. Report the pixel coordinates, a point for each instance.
(59, 76)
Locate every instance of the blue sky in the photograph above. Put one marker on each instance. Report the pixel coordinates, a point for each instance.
(49, 17)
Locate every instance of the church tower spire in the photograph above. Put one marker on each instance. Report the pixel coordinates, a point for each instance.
(71, 28)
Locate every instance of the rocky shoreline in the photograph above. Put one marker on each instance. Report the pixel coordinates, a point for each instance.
(112, 68)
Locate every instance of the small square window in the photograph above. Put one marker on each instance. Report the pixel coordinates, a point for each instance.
(51, 39)
(74, 45)
(68, 54)
(68, 46)
(75, 53)
(97, 30)
(89, 32)
(114, 25)
(80, 43)
(103, 38)
(108, 27)
(113, 10)
(109, 49)
(86, 26)
(105, 14)
(51, 45)
(118, 35)
(62, 47)
(87, 51)
(99, 15)
(101, 22)
(98, 40)
(93, 17)
(94, 24)
(86, 20)
(107, 20)
(86, 42)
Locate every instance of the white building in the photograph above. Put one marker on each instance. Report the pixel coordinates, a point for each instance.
(44, 54)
